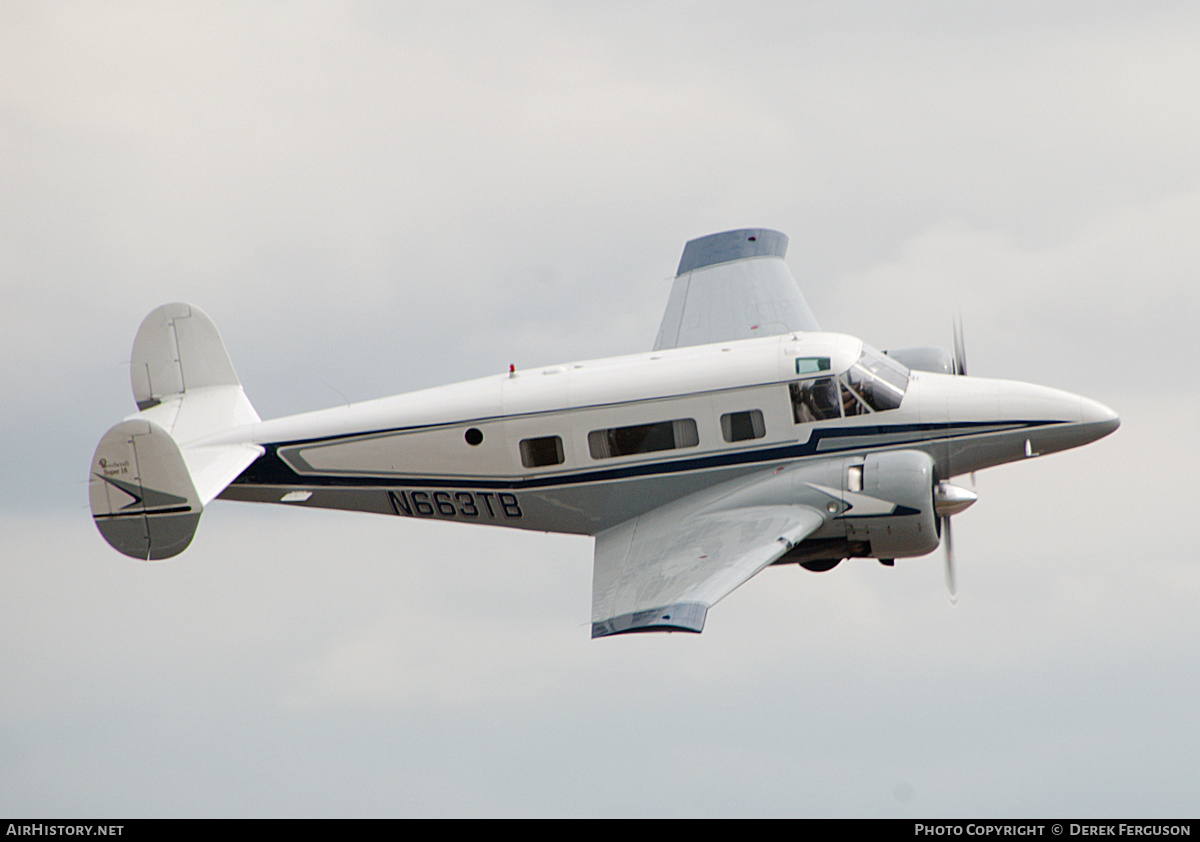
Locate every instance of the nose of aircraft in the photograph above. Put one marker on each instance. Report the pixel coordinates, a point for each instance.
(1096, 419)
(1053, 420)
(1034, 420)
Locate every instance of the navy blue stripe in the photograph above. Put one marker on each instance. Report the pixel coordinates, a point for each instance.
(270, 469)
(144, 512)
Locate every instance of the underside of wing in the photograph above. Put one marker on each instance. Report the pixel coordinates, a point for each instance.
(733, 285)
(662, 571)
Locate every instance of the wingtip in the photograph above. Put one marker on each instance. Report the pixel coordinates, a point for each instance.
(682, 617)
(731, 245)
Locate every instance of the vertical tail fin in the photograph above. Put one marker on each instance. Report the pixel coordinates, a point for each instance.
(153, 473)
(143, 499)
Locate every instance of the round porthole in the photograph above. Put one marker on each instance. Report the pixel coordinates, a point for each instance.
(474, 436)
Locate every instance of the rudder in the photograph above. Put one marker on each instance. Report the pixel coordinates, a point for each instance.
(178, 348)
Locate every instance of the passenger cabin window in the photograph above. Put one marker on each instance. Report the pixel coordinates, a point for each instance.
(643, 438)
(874, 383)
(743, 426)
(538, 453)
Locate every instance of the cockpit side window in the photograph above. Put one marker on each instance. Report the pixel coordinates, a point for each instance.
(814, 400)
(874, 383)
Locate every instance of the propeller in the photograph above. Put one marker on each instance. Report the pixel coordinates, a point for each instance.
(960, 347)
(960, 358)
(951, 582)
(949, 500)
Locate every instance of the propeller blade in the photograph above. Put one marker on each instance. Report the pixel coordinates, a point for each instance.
(960, 347)
(951, 499)
(951, 581)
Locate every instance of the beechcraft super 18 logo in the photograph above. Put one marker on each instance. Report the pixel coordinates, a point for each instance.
(111, 468)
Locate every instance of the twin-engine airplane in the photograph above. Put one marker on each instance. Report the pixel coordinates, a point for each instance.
(745, 438)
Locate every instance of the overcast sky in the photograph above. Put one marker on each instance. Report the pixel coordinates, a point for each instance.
(370, 198)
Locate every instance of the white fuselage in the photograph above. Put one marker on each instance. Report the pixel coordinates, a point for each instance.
(456, 452)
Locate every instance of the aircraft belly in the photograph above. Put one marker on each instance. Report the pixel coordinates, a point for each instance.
(583, 508)
(974, 453)
(348, 499)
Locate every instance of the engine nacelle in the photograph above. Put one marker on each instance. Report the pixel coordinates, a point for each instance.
(924, 358)
(895, 514)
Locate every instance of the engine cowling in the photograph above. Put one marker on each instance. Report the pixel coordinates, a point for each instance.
(924, 358)
(894, 513)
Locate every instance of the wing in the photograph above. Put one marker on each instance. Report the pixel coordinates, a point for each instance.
(663, 570)
(733, 285)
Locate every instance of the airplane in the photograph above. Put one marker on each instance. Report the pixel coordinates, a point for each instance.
(746, 437)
